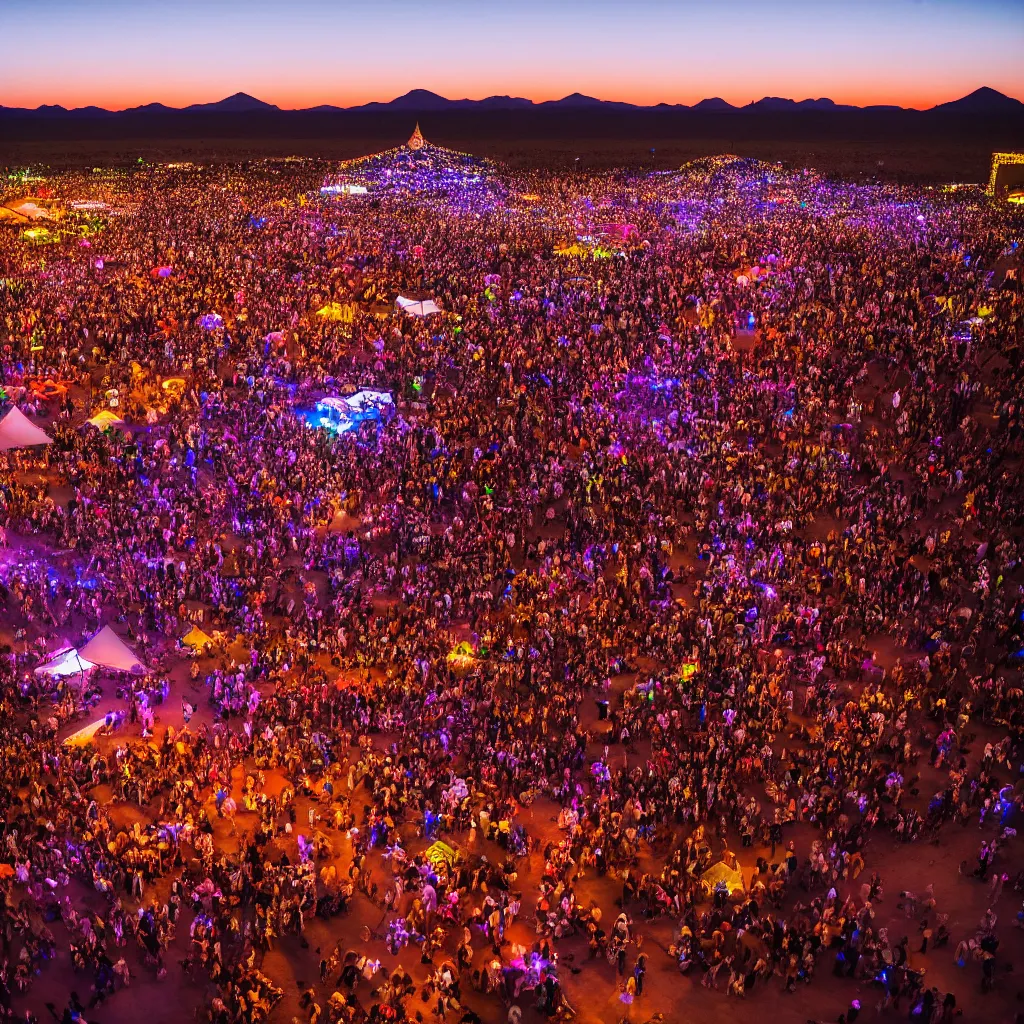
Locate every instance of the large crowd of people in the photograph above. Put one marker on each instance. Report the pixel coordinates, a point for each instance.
(663, 634)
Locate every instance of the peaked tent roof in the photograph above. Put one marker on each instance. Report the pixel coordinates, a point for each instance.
(106, 648)
(65, 663)
(18, 431)
(442, 851)
(105, 418)
(195, 637)
(721, 872)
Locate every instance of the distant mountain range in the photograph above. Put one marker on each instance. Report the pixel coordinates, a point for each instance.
(982, 102)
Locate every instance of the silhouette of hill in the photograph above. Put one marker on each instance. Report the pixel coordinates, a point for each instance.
(780, 105)
(151, 108)
(985, 120)
(415, 99)
(240, 103)
(984, 101)
(577, 101)
(714, 103)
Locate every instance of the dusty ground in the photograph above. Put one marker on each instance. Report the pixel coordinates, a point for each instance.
(593, 990)
(591, 986)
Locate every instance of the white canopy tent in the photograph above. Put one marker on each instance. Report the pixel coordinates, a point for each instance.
(18, 431)
(343, 414)
(365, 400)
(67, 662)
(106, 648)
(416, 307)
(347, 189)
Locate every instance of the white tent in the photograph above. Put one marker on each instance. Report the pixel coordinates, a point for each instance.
(347, 189)
(415, 307)
(18, 431)
(341, 414)
(106, 648)
(364, 401)
(65, 663)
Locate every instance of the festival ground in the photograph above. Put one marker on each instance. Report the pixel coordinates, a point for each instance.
(592, 986)
(651, 539)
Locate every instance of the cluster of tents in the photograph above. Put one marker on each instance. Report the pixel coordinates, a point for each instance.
(104, 649)
(18, 431)
(344, 313)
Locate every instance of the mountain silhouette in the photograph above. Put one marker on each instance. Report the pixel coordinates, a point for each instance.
(713, 104)
(240, 103)
(577, 101)
(425, 100)
(151, 108)
(501, 103)
(982, 101)
(778, 104)
(415, 99)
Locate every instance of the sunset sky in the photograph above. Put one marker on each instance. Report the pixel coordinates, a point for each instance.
(116, 53)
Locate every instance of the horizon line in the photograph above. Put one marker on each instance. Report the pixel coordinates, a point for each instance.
(509, 96)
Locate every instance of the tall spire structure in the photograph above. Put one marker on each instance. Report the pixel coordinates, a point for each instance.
(416, 140)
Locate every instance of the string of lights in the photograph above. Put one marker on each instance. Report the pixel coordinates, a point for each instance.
(1002, 160)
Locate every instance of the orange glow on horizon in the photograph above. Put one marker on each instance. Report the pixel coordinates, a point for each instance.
(920, 99)
(122, 53)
